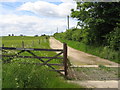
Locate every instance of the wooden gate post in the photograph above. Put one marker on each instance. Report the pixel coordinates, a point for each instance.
(65, 58)
(22, 44)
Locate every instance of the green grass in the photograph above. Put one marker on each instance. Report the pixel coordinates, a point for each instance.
(16, 75)
(103, 52)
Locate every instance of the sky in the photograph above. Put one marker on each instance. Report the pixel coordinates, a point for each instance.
(35, 17)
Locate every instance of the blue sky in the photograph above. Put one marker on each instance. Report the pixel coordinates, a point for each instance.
(33, 17)
(12, 6)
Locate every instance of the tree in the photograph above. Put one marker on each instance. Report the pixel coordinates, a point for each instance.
(12, 34)
(21, 35)
(36, 36)
(9, 35)
(43, 35)
(98, 19)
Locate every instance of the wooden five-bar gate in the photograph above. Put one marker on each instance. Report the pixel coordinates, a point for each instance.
(29, 50)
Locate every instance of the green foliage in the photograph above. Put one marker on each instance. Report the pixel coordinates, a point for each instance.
(113, 39)
(68, 34)
(59, 35)
(77, 34)
(31, 76)
(97, 19)
(102, 66)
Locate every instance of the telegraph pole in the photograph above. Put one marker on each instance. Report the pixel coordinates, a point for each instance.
(51, 33)
(57, 29)
(68, 21)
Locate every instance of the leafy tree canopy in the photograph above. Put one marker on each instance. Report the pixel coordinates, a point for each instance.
(97, 18)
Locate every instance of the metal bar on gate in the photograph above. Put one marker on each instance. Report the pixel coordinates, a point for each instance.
(8, 60)
(31, 57)
(32, 49)
(56, 56)
(43, 61)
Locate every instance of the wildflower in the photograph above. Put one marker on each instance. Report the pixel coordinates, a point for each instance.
(16, 78)
(28, 77)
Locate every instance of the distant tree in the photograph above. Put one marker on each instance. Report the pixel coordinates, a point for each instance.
(43, 35)
(9, 35)
(21, 34)
(36, 36)
(47, 37)
(12, 34)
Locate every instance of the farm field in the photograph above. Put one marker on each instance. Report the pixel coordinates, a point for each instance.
(15, 75)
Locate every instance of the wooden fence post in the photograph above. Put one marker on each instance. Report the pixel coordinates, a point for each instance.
(22, 44)
(2, 45)
(65, 58)
(33, 43)
(39, 41)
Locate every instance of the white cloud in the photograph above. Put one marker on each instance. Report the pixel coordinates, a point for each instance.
(36, 0)
(43, 8)
(31, 25)
(50, 17)
(67, 0)
(29, 0)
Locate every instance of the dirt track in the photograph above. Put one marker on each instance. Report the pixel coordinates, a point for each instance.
(80, 58)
